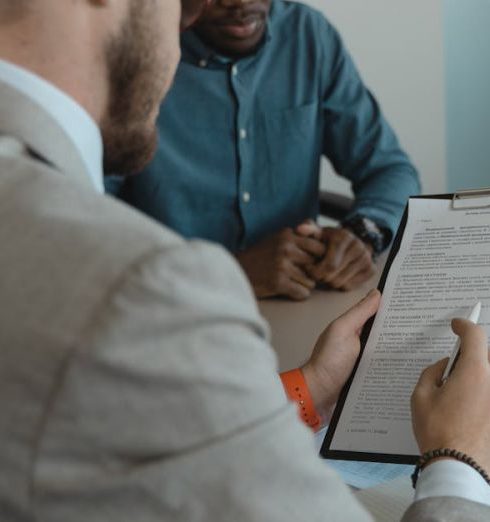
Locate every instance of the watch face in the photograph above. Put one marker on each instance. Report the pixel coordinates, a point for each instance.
(370, 226)
(368, 231)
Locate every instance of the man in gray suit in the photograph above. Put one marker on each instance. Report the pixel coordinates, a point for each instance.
(136, 380)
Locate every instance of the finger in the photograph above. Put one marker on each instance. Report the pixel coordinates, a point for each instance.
(430, 379)
(295, 290)
(348, 267)
(334, 261)
(361, 264)
(311, 245)
(338, 246)
(473, 348)
(291, 282)
(340, 279)
(297, 275)
(309, 229)
(354, 319)
(359, 278)
(299, 257)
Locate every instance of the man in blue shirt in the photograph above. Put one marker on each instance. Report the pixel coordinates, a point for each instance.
(263, 90)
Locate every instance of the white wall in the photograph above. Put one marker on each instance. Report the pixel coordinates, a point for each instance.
(468, 86)
(398, 47)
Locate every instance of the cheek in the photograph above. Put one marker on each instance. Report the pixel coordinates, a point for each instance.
(169, 60)
(166, 42)
(166, 25)
(175, 57)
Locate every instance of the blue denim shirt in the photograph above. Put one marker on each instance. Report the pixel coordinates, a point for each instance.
(240, 141)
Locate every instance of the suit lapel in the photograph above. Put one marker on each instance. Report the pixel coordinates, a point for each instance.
(25, 120)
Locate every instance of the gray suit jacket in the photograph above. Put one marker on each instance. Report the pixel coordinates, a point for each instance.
(136, 379)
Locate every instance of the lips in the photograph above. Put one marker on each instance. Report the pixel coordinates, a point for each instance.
(241, 29)
(240, 24)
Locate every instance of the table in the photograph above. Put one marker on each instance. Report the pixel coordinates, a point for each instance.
(295, 326)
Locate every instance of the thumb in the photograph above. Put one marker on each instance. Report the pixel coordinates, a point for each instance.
(430, 378)
(353, 320)
(473, 347)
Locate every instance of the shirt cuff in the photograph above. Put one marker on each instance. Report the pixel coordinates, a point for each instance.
(450, 478)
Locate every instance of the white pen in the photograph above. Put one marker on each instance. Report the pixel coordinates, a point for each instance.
(473, 317)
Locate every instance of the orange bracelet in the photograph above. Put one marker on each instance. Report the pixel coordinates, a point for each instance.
(297, 390)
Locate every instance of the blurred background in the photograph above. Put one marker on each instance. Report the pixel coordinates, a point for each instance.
(428, 64)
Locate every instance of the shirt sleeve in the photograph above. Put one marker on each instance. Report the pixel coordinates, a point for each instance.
(358, 140)
(451, 478)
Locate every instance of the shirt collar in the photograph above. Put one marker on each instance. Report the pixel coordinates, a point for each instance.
(80, 129)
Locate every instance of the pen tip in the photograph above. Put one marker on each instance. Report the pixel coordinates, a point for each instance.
(475, 313)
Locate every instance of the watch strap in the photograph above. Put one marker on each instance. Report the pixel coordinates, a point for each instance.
(368, 231)
(297, 390)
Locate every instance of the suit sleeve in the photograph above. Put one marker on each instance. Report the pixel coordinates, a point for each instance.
(171, 409)
(446, 509)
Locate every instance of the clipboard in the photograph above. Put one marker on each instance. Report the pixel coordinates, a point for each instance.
(460, 200)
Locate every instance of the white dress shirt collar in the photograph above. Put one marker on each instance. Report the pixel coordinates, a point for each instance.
(77, 124)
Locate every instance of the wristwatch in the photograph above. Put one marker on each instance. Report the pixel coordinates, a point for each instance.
(369, 232)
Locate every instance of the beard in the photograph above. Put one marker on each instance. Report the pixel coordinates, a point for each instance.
(135, 91)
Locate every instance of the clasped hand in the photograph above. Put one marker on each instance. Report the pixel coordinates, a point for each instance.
(291, 262)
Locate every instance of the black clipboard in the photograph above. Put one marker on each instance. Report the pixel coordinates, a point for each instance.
(461, 200)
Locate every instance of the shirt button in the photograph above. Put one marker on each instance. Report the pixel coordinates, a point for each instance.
(246, 197)
(203, 63)
(234, 70)
(243, 134)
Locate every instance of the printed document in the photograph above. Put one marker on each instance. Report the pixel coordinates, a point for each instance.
(441, 270)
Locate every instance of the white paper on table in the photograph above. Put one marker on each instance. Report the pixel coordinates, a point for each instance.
(362, 475)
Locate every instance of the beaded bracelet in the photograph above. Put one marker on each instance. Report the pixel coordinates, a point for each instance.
(446, 452)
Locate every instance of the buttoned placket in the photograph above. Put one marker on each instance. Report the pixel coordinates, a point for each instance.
(243, 128)
(242, 146)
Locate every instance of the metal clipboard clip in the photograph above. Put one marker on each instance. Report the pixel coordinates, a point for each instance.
(471, 199)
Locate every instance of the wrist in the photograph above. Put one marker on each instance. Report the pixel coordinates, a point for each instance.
(430, 457)
(298, 391)
(369, 232)
(320, 390)
(479, 451)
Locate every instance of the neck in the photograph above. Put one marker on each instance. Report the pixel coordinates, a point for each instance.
(60, 56)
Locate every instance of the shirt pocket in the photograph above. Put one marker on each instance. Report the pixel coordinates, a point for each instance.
(293, 137)
(294, 121)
